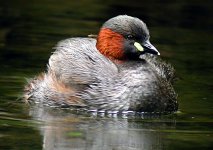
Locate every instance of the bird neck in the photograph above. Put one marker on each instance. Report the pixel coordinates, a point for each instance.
(110, 44)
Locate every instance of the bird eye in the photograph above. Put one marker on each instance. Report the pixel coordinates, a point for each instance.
(130, 37)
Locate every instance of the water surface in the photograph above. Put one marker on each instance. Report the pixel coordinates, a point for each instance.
(181, 30)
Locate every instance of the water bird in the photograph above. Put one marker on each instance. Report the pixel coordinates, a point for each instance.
(120, 70)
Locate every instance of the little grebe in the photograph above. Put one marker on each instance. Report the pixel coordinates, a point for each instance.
(119, 71)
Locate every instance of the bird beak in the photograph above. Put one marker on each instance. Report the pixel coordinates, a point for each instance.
(149, 48)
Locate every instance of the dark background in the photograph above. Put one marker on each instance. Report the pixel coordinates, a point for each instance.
(180, 29)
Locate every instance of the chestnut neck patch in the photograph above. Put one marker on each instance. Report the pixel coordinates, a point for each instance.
(110, 44)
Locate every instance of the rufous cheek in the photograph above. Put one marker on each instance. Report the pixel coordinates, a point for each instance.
(110, 43)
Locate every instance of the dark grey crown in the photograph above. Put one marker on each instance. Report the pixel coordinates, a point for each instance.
(127, 25)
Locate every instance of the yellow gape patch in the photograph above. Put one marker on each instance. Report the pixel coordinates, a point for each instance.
(138, 46)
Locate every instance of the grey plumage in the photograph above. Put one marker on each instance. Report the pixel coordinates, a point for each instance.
(79, 75)
(82, 62)
(127, 25)
(100, 84)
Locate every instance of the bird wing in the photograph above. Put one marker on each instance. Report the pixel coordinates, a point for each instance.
(77, 61)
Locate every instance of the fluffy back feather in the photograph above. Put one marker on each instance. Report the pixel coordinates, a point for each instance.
(77, 61)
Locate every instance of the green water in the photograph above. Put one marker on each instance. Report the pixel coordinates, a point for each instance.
(181, 30)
